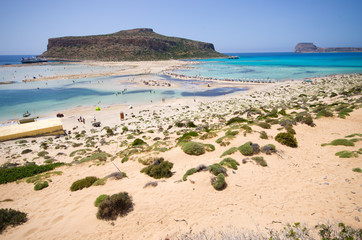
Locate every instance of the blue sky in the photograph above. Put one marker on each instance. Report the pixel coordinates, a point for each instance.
(231, 25)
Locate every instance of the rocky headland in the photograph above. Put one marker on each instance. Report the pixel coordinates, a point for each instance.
(311, 48)
(140, 44)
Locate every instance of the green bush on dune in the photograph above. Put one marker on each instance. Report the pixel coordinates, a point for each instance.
(193, 148)
(41, 185)
(246, 149)
(160, 169)
(15, 173)
(219, 183)
(83, 183)
(111, 207)
(11, 217)
(287, 139)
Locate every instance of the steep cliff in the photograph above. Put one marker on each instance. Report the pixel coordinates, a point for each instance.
(129, 45)
(311, 48)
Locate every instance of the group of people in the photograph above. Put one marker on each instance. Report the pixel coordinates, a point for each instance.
(81, 119)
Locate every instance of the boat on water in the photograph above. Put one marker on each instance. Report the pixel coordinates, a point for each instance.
(233, 57)
(27, 114)
(33, 60)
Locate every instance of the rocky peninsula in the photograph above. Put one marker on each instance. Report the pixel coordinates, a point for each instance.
(140, 44)
(311, 48)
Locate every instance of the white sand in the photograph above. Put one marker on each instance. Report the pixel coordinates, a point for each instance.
(307, 184)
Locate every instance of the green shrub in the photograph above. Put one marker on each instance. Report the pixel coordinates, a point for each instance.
(40, 185)
(191, 124)
(25, 151)
(11, 217)
(236, 120)
(357, 170)
(100, 199)
(83, 183)
(208, 135)
(193, 148)
(160, 169)
(188, 173)
(101, 156)
(340, 142)
(229, 151)
(263, 135)
(230, 163)
(246, 149)
(42, 153)
(268, 149)
(344, 112)
(290, 130)
(260, 161)
(219, 183)
(100, 182)
(216, 169)
(138, 142)
(230, 132)
(16, 173)
(287, 139)
(346, 154)
(324, 113)
(209, 147)
(264, 125)
(116, 205)
(186, 137)
(305, 118)
(354, 135)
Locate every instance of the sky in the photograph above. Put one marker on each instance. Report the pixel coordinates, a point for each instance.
(231, 25)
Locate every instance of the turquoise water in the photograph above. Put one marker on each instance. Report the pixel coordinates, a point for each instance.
(44, 97)
(277, 66)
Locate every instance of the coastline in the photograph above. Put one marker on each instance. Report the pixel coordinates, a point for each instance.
(293, 187)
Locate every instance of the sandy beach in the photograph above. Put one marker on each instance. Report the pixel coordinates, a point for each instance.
(307, 184)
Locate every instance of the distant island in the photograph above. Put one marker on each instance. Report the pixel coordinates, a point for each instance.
(311, 48)
(140, 44)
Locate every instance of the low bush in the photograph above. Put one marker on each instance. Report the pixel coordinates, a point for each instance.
(264, 125)
(324, 113)
(160, 169)
(15, 173)
(290, 130)
(100, 182)
(42, 153)
(219, 183)
(344, 112)
(25, 151)
(357, 170)
(246, 149)
(209, 147)
(346, 154)
(100, 199)
(263, 135)
(230, 163)
(268, 149)
(41, 185)
(287, 139)
(229, 151)
(216, 169)
(305, 118)
(340, 142)
(116, 205)
(193, 148)
(236, 120)
(83, 183)
(230, 132)
(208, 135)
(138, 142)
(11, 217)
(191, 124)
(186, 137)
(188, 173)
(117, 175)
(260, 161)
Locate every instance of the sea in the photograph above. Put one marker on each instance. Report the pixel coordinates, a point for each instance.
(51, 97)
